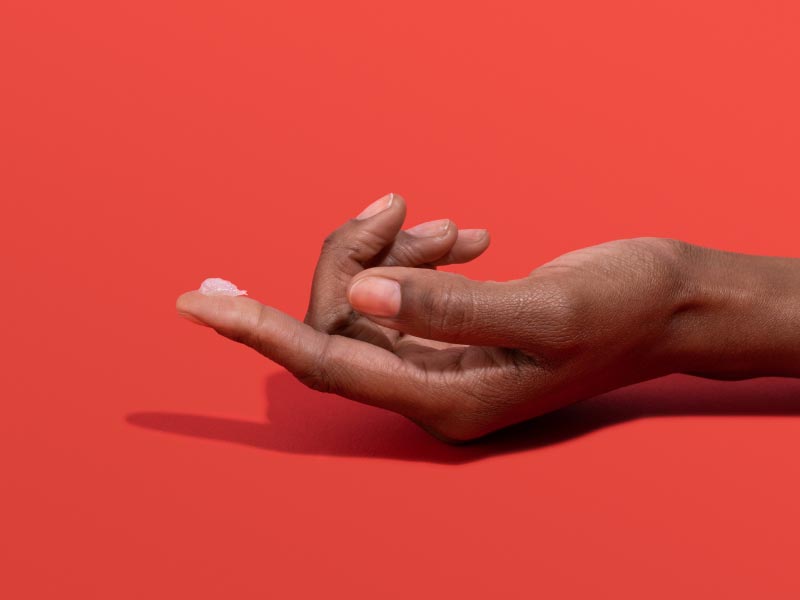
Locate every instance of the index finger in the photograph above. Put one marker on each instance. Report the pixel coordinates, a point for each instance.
(331, 363)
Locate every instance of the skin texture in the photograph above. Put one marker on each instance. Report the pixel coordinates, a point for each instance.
(463, 358)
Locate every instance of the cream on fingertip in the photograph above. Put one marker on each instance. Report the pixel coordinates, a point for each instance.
(214, 286)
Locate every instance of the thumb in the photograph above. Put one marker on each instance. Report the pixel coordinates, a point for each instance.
(443, 306)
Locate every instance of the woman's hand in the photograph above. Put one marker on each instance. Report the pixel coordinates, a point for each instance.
(463, 358)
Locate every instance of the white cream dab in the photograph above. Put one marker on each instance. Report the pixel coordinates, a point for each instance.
(220, 287)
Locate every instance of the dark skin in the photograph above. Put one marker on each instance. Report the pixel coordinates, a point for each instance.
(463, 358)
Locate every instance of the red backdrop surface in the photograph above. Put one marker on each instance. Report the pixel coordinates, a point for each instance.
(148, 145)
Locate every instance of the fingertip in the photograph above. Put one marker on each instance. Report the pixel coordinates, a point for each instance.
(469, 245)
(398, 207)
(183, 306)
(185, 300)
(474, 236)
(439, 229)
(397, 200)
(218, 312)
(389, 203)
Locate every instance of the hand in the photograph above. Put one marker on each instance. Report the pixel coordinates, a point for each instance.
(462, 357)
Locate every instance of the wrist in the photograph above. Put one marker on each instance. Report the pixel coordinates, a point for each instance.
(735, 315)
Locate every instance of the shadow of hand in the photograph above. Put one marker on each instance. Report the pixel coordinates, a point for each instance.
(302, 421)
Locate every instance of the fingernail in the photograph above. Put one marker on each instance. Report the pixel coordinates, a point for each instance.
(377, 296)
(472, 235)
(379, 205)
(430, 229)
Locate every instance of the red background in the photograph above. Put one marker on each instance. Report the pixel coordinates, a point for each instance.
(148, 145)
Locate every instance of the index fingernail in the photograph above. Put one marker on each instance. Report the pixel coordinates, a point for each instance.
(379, 205)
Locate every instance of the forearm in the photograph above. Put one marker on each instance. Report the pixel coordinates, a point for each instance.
(737, 316)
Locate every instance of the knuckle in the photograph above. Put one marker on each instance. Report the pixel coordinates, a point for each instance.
(449, 307)
(315, 373)
(402, 255)
(338, 242)
(332, 240)
(351, 244)
(564, 304)
(339, 253)
(562, 316)
(250, 335)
